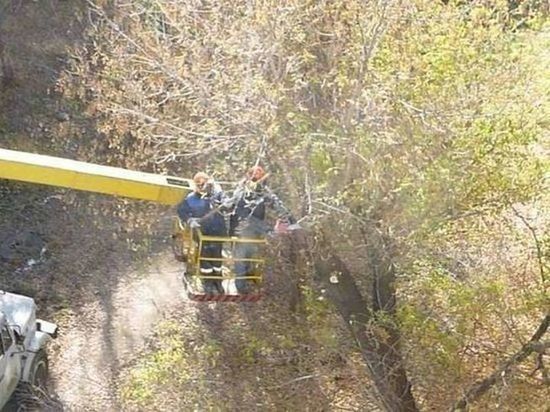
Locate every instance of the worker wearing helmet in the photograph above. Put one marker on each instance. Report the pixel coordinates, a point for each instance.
(250, 200)
(198, 210)
(251, 197)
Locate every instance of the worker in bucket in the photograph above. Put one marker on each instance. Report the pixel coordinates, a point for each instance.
(250, 200)
(199, 210)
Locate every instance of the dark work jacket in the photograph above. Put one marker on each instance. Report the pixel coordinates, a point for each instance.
(196, 205)
(250, 210)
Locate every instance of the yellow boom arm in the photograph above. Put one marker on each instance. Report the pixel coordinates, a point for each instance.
(55, 171)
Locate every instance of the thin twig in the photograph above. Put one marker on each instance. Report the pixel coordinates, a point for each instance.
(301, 378)
(537, 245)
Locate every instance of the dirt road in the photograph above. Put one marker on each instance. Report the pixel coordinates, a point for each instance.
(95, 346)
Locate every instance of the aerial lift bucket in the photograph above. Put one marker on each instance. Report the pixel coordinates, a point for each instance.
(187, 246)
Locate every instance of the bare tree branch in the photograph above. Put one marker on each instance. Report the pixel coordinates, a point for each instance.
(537, 244)
(482, 386)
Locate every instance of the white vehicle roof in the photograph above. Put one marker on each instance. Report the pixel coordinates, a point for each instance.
(17, 309)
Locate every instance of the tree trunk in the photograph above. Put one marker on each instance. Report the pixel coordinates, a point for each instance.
(372, 328)
(294, 263)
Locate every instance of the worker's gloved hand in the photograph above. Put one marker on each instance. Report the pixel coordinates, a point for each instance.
(291, 223)
(227, 204)
(294, 226)
(194, 223)
(288, 219)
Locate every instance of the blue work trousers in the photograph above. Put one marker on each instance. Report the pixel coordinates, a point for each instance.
(250, 228)
(208, 267)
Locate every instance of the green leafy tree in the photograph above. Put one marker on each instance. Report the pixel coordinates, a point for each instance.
(411, 136)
